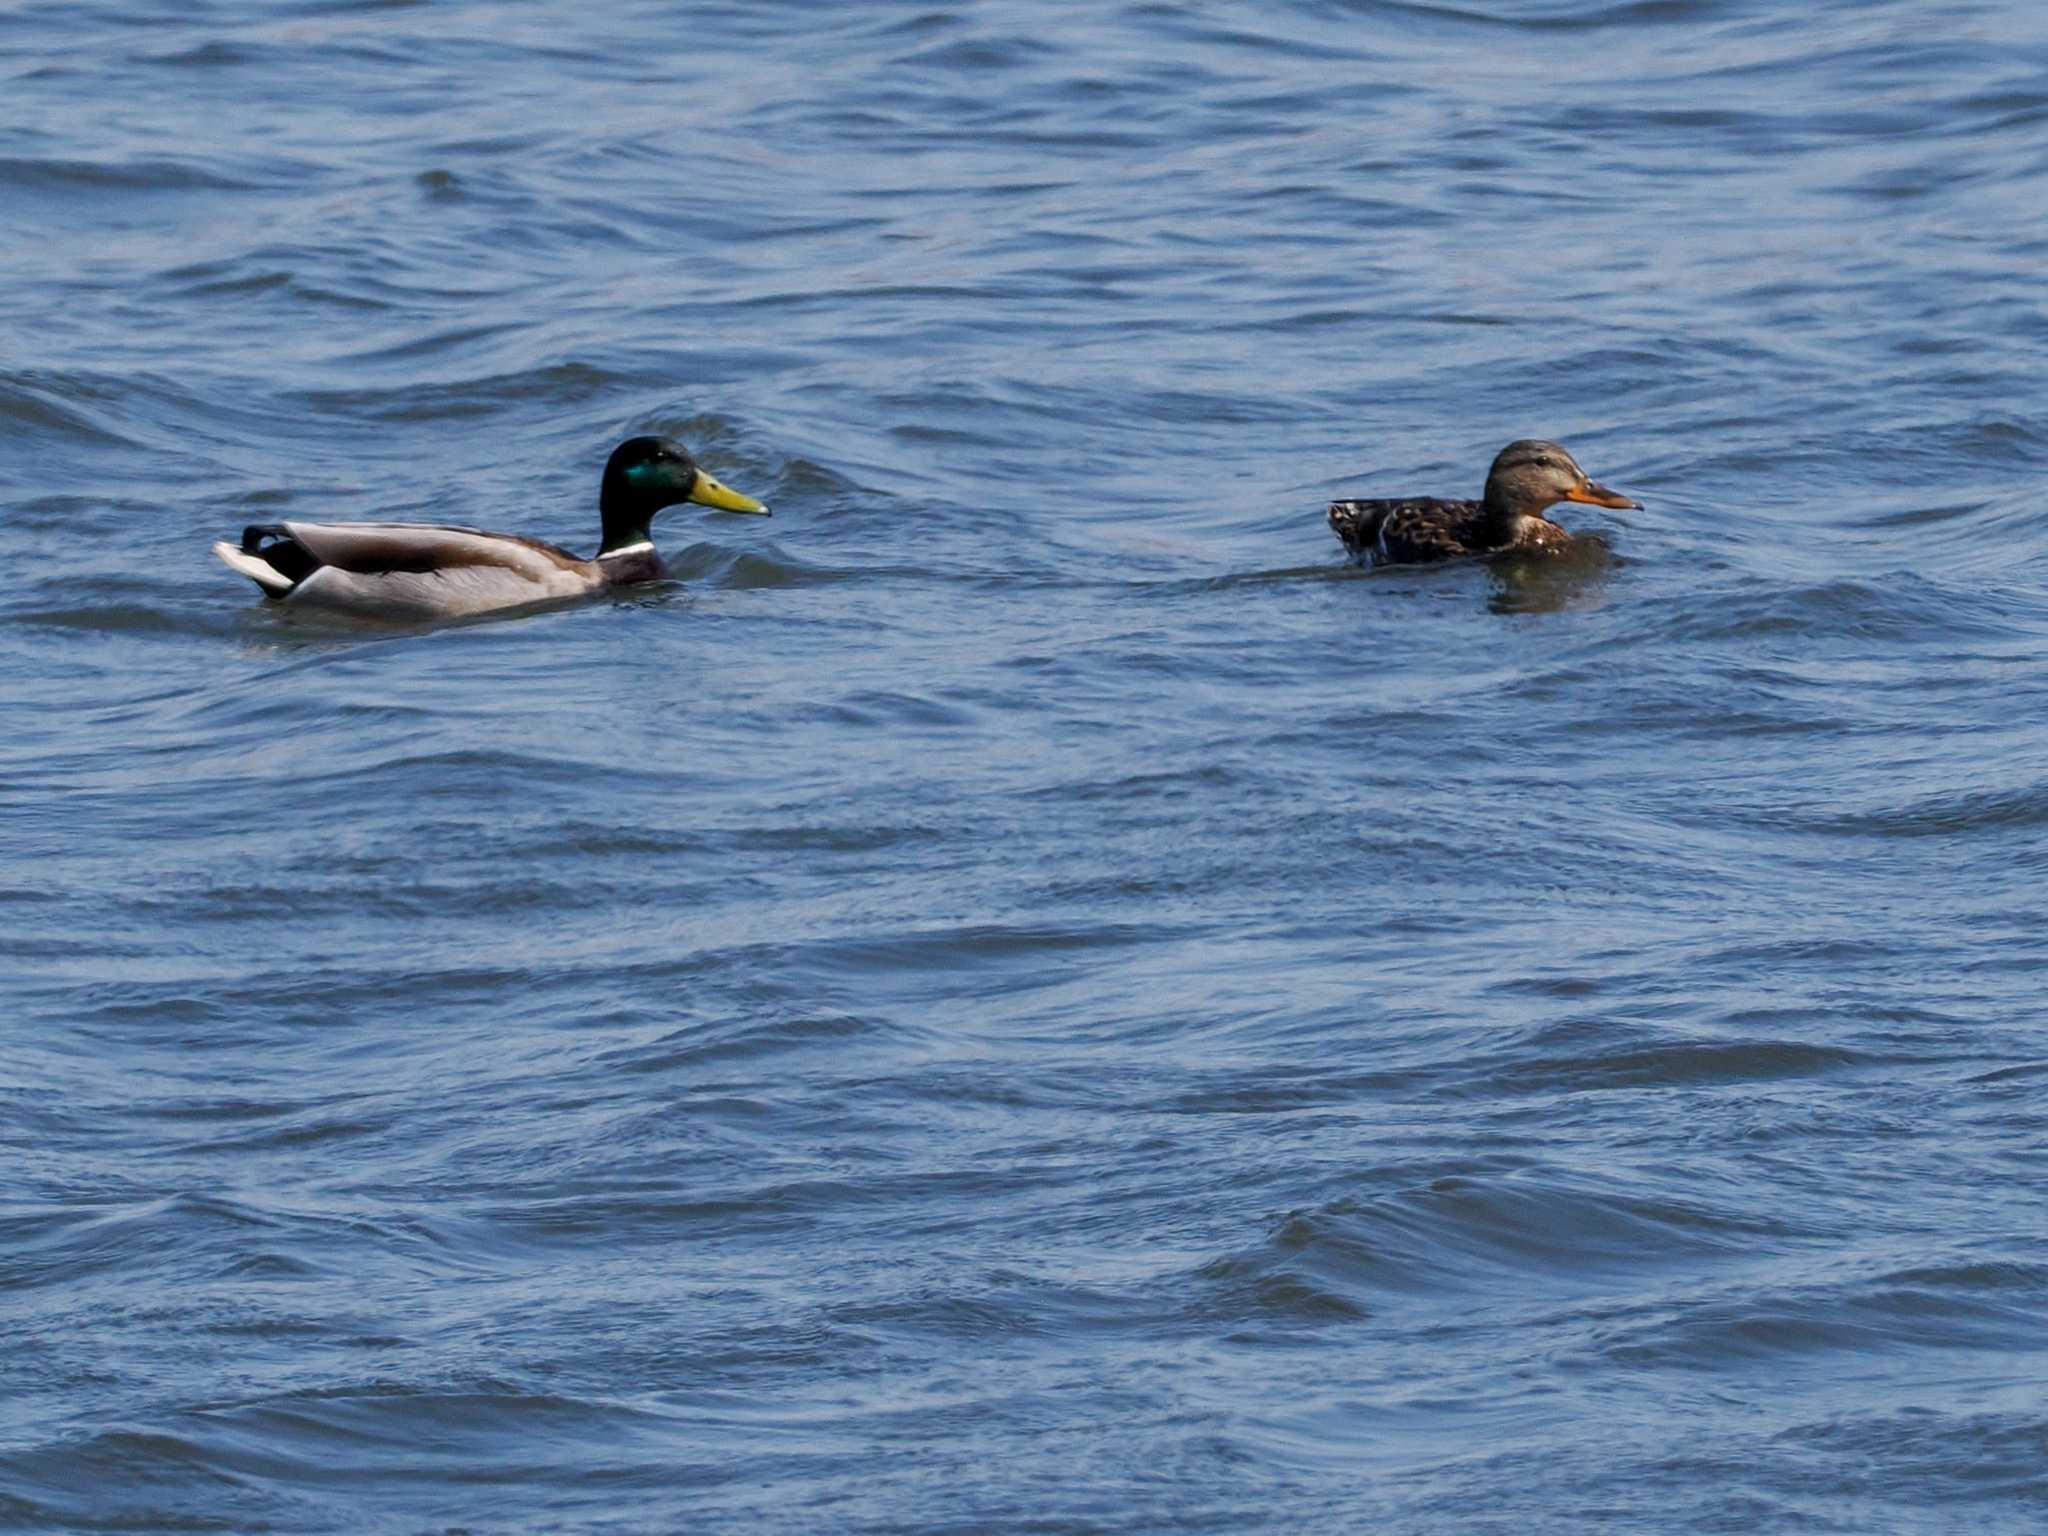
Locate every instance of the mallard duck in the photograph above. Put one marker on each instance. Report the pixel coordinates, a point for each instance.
(430, 571)
(1526, 478)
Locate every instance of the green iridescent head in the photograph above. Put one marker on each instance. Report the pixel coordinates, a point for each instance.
(646, 474)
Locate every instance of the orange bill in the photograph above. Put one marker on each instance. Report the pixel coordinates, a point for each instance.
(1600, 496)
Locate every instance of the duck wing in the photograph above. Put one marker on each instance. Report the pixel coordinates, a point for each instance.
(1408, 530)
(367, 548)
(405, 570)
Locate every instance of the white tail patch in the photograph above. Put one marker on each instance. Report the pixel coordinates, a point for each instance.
(257, 569)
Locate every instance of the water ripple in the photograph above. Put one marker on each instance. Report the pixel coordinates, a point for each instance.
(1024, 990)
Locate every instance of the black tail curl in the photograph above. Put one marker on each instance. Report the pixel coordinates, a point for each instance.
(284, 554)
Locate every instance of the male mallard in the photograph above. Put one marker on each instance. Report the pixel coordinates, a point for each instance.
(1526, 478)
(429, 571)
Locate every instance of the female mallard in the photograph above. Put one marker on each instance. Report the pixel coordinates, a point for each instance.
(428, 571)
(1526, 478)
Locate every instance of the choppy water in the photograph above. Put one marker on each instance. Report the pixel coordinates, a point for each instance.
(1023, 994)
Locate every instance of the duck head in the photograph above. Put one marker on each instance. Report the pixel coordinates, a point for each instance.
(646, 474)
(1530, 475)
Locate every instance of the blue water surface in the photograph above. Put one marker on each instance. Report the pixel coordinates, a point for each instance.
(1023, 994)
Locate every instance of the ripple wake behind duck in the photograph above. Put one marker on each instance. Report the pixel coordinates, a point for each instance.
(1527, 477)
(435, 571)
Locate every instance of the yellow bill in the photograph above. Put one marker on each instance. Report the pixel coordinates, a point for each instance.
(708, 492)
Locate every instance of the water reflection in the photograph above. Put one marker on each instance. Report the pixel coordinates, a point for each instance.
(1551, 583)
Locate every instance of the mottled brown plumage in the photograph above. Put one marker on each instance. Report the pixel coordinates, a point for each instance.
(1526, 478)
